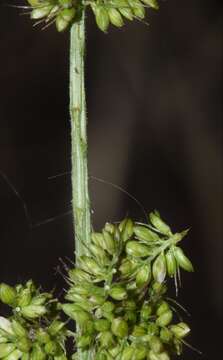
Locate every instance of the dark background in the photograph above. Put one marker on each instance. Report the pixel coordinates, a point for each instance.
(155, 128)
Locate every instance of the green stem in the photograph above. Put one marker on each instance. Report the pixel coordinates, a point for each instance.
(79, 177)
(79, 173)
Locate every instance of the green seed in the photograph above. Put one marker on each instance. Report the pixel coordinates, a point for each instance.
(165, 319)
(14, 355)
(78, 299)
(23, 345)
(25, 356)
(109, 242)
(143, 276)
(166, 335)
(182, 260)
(76, 313)
(152, 3)
(40, 299)
(162, 308)
(106, 339)
(101, 17)
(115, 17)
(159, 224)
(7, 294)
(42, 336)
(55, 327)
(136, 249)
(146, 338)
(119, 328)
(140, 352)
(110, 228)
(117, 236)
(80, 290)
(156, 345)
(108, 307)
(78, 275)
(143, 233)
(97, 239)
(41, 12)
(171, 263)
(122, 224)
(99, 254)
(24, 298)
(138, 331)
(146, 312)
(159, 268)
(124, 9)
(128, 267)
(97, 300)
(33, 311)
(102, 325)
(128, 353)
(180, 330)
(68, 14)
(6, 349)
(61, 23)
(89, 265)
(37, 353)
(95, 290)
(126, 228)
(115, 351)
(153, 329)
(138, 8)
(118, 293)
(5, 327)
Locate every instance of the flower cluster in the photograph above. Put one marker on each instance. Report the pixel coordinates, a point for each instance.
(117, 293)
(34, 331)
(66, 12)
(117, 297)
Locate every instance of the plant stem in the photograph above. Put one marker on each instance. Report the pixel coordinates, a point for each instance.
(79, 177)
(79, 172)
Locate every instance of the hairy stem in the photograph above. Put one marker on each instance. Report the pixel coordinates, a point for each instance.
(80, 192)
(79, 174)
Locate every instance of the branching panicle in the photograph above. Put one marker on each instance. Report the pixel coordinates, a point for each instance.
(117, 293)
(66, 12)
(117, 297)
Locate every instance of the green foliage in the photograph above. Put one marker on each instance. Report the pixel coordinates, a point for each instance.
(117, 294)
(34, 331)
(66, 12)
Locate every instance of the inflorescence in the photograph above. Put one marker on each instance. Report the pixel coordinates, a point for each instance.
(34, 331)
(66, 12)
(117, 296)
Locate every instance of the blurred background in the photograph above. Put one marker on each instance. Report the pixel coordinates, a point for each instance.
(155, 129)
